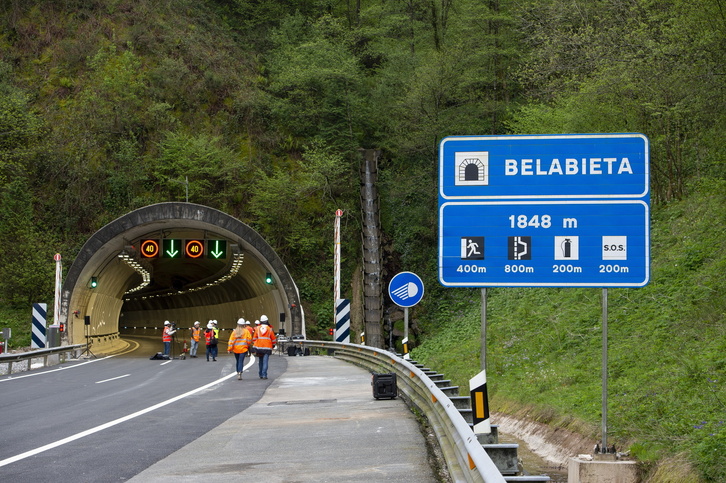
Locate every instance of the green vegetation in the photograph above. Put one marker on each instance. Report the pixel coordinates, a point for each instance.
(111, 105)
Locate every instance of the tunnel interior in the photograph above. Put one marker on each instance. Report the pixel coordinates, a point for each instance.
(178, 262)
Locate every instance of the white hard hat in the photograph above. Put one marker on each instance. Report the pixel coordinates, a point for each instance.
(196, 323)
(167, 322)
(241, 321)
(257, 322)
(247, 322)
(210, 326)
(263, 318)
(214, 322)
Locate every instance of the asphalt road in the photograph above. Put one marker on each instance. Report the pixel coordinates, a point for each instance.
(108, 419)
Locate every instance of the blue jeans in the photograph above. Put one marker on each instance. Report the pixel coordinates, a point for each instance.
(193, 349)
(264, 360)
(240, 361)
(167, 348)
(212, 351)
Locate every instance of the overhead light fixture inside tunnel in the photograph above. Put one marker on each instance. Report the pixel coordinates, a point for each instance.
(138, 268)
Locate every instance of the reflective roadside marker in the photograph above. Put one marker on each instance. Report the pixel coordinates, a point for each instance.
(480, 403)
(405, 348)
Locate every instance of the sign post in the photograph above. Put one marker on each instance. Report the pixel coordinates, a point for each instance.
(568, 210)
(58, 285)
(406, 289)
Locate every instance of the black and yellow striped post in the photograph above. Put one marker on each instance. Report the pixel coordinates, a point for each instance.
(480, 403)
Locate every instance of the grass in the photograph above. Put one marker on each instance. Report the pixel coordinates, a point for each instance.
(666, 346)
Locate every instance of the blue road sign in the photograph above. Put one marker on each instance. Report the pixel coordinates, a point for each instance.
(406, 289)
(544, 210)
(574, 166)
(595, 243)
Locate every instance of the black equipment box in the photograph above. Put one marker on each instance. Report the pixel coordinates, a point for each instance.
(384, 386)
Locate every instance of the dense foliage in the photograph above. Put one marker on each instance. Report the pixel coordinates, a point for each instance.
(259, 107)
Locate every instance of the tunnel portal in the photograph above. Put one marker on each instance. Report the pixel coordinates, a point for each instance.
(180, 262)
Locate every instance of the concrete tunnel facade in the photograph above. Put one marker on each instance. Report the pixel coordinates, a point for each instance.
(135, 295)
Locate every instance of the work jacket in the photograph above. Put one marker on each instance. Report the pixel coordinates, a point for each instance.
(239, 344)
(209, 336)
(196, 332)
(166, 335)
(264, 337)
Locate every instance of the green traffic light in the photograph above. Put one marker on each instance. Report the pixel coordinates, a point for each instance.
(268, 278)
(94, 282)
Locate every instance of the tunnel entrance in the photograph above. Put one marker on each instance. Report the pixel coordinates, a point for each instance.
(180, 262)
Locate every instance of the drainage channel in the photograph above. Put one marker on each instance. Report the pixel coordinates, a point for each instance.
(533, 464)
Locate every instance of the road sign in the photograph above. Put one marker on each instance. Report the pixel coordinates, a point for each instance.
(597, 243)
(193, 248)
(406, 289)
(550, 210)
(594, 166)
(217, 249)
(171, 248)
(149, 248)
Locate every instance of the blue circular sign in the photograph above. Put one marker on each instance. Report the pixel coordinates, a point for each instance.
(406, 289)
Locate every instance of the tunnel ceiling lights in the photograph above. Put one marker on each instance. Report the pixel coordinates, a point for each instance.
(138, 268)
(237, 260)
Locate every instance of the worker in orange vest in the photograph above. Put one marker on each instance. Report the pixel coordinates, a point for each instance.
(196, 332)
(248, 328)
(166, 337)
(264, 340)
(238, 344)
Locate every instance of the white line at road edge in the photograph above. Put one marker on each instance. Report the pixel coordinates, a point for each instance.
(110, 424)
(15, 378)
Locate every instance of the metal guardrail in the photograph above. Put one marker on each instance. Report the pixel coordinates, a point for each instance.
(25, 359)
(465, 457)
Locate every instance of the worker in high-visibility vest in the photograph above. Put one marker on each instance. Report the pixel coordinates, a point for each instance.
(196, 333)
(238, 344)
(166, 337)
(263, 342)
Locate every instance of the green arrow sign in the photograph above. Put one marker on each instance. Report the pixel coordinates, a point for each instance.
(171, 248)
(217, 249)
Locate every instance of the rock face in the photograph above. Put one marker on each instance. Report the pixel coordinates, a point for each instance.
(555, 445)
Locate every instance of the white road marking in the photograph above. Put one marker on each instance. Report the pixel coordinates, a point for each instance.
(110, 424)
(113, 379)
(13, 378)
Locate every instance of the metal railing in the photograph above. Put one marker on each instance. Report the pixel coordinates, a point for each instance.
(23, 361)
(465, 457)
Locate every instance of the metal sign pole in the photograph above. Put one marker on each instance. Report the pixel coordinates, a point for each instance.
(604, 369)
(484, 329)
(58, 284)
(336, 276)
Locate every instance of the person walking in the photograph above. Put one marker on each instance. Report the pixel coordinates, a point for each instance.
(196, 333)
(238, 344)
(166, 337)
(211, 340)
(249, 328)
(263, 341)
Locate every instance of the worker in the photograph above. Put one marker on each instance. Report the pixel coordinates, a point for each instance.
(196, 332)
(238, 344)
(166, 337)
(263, 341)
(211, 340)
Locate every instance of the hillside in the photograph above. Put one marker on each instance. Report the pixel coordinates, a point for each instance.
(666, 348)
(110, 105)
